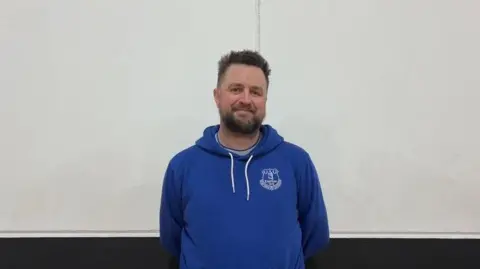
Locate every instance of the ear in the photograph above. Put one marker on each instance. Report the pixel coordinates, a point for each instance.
(216, 97)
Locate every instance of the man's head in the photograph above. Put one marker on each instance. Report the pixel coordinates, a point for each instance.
(241, 92)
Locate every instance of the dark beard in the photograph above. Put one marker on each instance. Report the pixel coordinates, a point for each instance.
(241, 128)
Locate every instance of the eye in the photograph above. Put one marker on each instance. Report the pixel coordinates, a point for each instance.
(257, 93)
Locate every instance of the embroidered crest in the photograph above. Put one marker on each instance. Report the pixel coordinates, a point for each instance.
(270, 179)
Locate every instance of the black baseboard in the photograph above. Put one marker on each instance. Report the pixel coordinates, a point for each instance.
(139, 253)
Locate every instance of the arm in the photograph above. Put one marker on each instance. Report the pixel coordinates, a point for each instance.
(312, 211)
(171, 216)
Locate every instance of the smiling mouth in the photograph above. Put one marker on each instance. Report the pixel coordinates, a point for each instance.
(244, 111)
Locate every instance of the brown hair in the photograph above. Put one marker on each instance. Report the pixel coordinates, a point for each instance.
(246, 57)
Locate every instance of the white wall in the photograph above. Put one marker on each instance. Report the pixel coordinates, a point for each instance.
(93, 103)
(385, 94)
(96, 96)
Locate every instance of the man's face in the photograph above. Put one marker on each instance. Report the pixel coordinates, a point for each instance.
(241, 98)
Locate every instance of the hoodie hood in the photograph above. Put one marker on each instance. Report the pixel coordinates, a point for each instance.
(270, 141)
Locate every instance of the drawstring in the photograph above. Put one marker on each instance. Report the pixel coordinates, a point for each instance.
(246, 177)
(231, 172)
(247, 182)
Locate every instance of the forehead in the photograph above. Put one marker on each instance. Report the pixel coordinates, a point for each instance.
(244, 74)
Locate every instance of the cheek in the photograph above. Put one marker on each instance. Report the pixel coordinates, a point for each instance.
(224, 105)
(260, 105)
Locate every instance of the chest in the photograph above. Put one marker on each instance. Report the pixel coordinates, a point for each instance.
(220, 187)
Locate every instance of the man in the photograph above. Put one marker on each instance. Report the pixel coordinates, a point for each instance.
(242, 197)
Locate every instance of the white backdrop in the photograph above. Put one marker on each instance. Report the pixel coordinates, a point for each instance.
(96, 96)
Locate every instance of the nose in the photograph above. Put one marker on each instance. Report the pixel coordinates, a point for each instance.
(246, 97)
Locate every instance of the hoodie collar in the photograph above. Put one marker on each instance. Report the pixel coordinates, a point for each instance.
(269, 141)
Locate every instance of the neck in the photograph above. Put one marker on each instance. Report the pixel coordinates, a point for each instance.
(237, 141)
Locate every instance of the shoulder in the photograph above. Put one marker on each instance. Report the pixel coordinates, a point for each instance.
(177, 166)
(296, 155)
(183, 157)
(294, 151)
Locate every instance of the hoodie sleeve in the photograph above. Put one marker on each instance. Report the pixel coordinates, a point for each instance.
(171, 215)
(311, 210)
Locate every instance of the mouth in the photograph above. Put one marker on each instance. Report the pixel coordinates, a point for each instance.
(244, 114)
(243, 111)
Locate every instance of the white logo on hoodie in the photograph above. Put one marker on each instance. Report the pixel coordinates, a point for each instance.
(270, 179)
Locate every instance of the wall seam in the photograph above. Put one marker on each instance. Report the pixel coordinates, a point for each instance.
(258, 28)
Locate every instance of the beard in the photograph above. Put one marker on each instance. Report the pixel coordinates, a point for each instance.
(240, 126)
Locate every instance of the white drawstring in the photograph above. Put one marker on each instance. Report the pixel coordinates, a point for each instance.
(232, 177)
(231, 172)
(246, 177)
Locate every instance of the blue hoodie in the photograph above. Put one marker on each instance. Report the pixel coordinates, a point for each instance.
(264, 210)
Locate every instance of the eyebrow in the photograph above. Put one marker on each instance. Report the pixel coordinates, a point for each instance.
(235, 85)
(241, 85)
